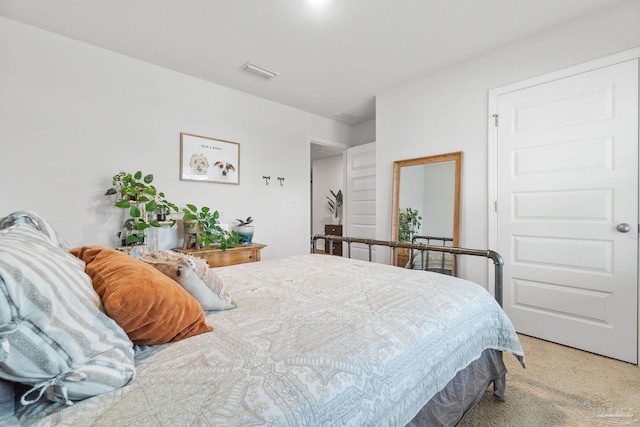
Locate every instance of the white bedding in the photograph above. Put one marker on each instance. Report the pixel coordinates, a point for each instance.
(315, 340)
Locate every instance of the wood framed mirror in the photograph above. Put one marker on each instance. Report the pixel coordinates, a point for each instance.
(426, 204)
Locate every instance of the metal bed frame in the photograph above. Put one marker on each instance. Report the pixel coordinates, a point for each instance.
(429, 240)
(498, 262)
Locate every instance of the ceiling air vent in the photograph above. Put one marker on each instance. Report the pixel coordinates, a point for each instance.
(258, 71)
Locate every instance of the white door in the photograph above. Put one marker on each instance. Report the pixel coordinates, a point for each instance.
(361, 197)
(567, 178)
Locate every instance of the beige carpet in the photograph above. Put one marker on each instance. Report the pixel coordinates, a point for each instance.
(562, 386)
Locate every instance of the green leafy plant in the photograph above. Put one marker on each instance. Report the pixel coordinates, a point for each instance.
(163, 207)
(131, 234)
(210, 234)
(131, 186)
(335, 204)
(135, 190)
(409, 222)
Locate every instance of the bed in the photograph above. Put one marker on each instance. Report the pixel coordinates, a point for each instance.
(313, 340)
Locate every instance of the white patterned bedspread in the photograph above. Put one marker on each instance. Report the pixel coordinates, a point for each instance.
(315, 340)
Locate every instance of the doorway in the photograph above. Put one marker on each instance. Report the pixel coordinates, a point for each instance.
(327, 173)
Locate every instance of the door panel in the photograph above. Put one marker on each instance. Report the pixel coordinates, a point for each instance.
(361, 197)
(567, 176)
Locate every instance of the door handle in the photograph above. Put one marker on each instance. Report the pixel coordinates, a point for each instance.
(623, 227)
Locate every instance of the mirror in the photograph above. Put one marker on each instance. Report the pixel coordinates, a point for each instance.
(426, 208)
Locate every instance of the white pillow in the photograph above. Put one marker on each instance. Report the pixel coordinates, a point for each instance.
(194, 275)
(53, 334)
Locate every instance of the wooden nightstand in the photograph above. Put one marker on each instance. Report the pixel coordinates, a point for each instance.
(219, 258)
(333, 230)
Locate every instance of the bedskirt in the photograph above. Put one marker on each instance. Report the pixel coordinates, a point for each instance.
(450, 405)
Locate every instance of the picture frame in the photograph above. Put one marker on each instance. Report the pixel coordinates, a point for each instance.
(207, 159)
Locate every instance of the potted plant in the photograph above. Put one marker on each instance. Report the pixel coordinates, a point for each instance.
(335, 206)
(134, 190)
(408, 224)
(245, 230)
(193, 217)
(163, 208)
(132, 233)
(209, 231)
(142, 199)
(129, 186)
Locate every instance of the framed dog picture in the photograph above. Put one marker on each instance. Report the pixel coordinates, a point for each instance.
(209, 159)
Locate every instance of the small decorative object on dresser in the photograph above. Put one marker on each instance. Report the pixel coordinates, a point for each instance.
(245, 230)
(333, 230)
(219, 258)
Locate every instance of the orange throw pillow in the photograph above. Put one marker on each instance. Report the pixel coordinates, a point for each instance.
(149, 306)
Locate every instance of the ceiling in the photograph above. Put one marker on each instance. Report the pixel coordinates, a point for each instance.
(332, 58)
(319, 151)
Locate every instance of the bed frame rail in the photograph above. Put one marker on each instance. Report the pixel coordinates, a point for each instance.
(498, 262)
(429, 240)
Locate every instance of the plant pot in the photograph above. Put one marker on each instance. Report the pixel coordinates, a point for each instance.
(403, 255)
(246, 233)
(336, 220)
(190, 226)
(141, 239)
(161, 214)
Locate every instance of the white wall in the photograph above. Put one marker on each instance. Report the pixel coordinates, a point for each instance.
(447, 111)
(328, 174)
(363, 133)
(72, 115)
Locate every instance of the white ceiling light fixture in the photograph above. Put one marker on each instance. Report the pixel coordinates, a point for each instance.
(258, 71)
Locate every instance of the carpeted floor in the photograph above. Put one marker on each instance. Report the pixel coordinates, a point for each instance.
(562, 386)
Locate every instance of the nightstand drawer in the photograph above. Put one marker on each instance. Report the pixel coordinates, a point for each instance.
(333, 230)
(337, 248)
(219, 258)
(222, 258)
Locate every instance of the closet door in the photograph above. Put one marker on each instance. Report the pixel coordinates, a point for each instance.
(567, 209)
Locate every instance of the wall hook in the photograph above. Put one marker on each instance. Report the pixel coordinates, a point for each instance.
(281, 181)
(266, 179)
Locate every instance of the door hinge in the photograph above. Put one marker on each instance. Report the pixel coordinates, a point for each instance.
(495, 206)
(495, 119)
